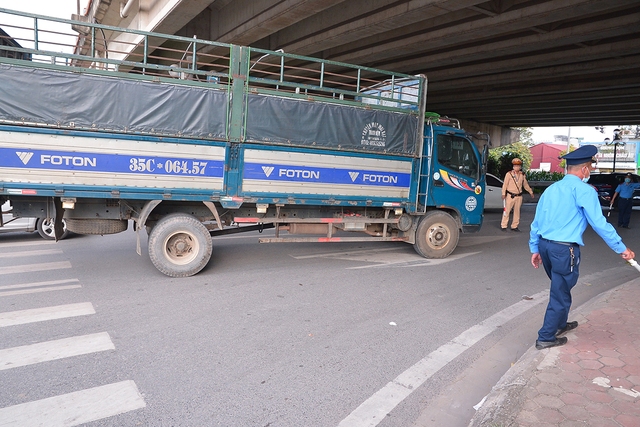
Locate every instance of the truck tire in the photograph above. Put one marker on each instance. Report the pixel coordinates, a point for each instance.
(96, 226)
(44, 226)
(437, 235)
(180, 245)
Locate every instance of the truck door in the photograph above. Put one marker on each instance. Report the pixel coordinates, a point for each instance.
(456, 177)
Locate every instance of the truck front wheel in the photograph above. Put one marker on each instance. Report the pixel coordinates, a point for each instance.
(179, 245)
(437, 235)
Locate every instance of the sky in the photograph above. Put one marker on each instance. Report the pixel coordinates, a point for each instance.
(57, 8)
(64, 9)
(588, 133)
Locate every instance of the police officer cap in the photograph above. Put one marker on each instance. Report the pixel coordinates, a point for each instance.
(582, 155)
(516, 161)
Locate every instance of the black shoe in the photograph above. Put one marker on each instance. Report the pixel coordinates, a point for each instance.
(541, 345)
(625, 226)
(570, 326)
(515, 229)
(503, 229)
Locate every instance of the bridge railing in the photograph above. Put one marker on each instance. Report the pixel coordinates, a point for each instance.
(50, 42)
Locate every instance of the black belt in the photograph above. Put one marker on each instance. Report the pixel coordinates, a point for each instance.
(626, 198)
(559, 243)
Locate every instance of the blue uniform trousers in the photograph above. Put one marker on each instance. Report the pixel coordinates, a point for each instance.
(624, 211)
(556, 259)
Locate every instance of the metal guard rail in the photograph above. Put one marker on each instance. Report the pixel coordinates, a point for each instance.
(104, 49)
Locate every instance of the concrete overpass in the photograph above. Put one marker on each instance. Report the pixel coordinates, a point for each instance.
(493, 64)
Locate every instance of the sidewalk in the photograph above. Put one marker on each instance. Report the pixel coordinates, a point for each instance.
(593, 380)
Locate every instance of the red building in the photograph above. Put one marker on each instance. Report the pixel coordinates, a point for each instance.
(545, 157)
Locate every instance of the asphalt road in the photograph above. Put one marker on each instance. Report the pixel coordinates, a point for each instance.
(271, 335)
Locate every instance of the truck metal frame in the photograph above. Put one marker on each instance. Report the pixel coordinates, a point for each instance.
(191, 138)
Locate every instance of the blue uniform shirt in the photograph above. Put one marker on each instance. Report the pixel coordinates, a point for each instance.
(626, 190)
(563, 212)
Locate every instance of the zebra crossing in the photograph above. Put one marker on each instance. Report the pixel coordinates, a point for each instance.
(18, 262)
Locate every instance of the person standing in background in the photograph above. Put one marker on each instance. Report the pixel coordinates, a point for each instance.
(625, 201)
(514, 182)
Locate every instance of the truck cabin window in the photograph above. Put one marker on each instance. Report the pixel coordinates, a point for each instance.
(457, 153)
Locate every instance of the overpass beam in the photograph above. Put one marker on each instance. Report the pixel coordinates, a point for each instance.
(500, 135)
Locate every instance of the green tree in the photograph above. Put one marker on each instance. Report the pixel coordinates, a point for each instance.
(499, 162)
(526, 136)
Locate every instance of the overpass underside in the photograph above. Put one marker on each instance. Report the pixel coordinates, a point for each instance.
(492, 64)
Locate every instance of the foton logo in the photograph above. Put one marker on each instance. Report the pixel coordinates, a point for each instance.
(67, 160)
(299, 174)
(354, 176)
(24, 157)
(267, 170)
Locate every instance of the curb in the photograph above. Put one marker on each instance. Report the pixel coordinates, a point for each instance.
(506, 399)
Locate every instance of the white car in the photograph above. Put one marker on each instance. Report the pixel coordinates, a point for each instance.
(493, 193)
(44, 226)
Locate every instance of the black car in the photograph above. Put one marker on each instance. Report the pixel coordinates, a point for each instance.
(606, 184)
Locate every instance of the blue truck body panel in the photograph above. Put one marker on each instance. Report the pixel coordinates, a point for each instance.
(54, 162)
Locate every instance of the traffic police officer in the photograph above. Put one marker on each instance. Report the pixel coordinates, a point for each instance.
(562, 214)
(514, 183)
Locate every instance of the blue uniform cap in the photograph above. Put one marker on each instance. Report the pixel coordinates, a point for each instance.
(582, 155)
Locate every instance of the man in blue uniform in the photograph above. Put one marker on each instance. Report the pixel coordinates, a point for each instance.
(562, 214)
(625, 202)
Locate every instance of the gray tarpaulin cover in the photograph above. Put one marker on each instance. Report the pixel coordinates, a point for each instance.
(318, 124)
(113, 104)
(59, 98)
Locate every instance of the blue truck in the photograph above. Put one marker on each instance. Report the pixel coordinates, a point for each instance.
(188, 139)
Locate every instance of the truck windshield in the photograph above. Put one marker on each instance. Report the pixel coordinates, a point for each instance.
(457, 153)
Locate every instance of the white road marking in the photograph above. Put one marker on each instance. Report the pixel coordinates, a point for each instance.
(37, 290)
(12, 318)
(42, 266)
(420, 262)
(375, 409)
(37, 284)
(382, 258)
(346, 253)
(30, 253)
(379, 257)
(52, 350)
(34, 243)
(75, 408)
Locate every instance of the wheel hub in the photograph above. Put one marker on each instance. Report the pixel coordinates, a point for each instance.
(438, 236)
(181, 248)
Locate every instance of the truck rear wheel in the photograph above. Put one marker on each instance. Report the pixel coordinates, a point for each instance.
(179, 245)
(437, 235)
